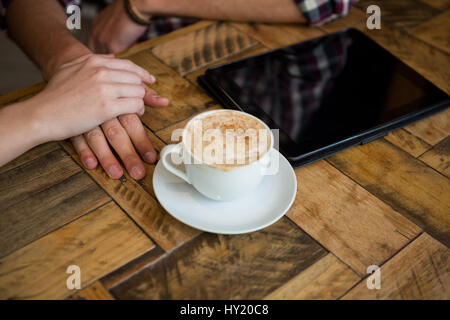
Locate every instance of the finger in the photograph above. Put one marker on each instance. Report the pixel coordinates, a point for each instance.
(135, 129)
(120, 141)
(124, 106)
(97, 142)
(154, 100)
(124, 90)
(124, 64)
(85, 153)
(121, 76)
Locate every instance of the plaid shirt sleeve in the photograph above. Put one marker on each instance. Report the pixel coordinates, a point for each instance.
(321, 11)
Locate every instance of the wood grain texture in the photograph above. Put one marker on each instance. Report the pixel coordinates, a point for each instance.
(432, 129)
(212, 266)
(35, 176)
(435, 31)
(402, 14)
(32, 154)
(45, 211)
(165, 230)
(185, 98)
(415, 53)
(126, 271)
(147, 181)
(438, 4)
(202, 47)
(439, 157)
(408, 142)
(405, 183)
(278, 35)
(254, 50)
(148, 44)
(358, 228)
(95, 291)
(326, 279)
(98, 243)
(419, 271)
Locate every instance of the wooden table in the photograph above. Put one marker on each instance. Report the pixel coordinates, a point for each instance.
(386, 203)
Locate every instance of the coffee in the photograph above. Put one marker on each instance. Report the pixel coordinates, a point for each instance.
(227, 139)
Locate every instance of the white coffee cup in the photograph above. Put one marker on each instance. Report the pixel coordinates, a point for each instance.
(213, 182)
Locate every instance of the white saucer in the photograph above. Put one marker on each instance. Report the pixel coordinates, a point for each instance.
(257, 210)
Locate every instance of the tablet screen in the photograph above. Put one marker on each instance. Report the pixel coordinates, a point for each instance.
(328, 89)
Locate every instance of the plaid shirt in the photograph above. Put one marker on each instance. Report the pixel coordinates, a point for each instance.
(315, 11)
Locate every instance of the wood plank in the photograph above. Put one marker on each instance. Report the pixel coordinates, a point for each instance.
(415, 53)
(95, 291)
(439, 157)
(435, 31)
(98, 243)
(256, 49)
(212, 266)
(358, 228)
(45, 211)
(278, 35)
(408, 142)
(17, 184)
(402, 14)
(166, 133)
(405, 183)
(147, 181)
(420, 271)
(125, 272)
(202, 47)
(185, 98)
(432, 129)
(326, 279)
(32, 154)
(148, 44)
(165, 230)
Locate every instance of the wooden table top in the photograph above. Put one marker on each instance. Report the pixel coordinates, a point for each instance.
(386, 203)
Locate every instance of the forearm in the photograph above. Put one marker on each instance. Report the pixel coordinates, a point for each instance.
(272, 11)
(20, 130)
(39, 28)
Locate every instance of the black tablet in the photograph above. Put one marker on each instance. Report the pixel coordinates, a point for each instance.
(326, 94)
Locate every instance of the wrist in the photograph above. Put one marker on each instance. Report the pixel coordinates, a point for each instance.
(72, 52)
(27, 126)
(36, 120)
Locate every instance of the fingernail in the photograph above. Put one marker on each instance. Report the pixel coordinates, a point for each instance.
(152, 79)
(150, 156)
(156, 96)
(165, 100)
(114, 171)
(90, 162)
(137, 172)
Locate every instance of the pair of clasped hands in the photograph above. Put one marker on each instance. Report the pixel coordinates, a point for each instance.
(94, 100)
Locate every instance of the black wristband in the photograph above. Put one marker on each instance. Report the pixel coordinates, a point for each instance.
(135, 16)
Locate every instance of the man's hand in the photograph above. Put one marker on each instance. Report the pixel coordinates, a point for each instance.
(113, 31)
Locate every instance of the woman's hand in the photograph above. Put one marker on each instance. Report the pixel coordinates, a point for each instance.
(88, 92)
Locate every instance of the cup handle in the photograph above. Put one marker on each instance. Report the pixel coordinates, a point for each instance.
(167, 151)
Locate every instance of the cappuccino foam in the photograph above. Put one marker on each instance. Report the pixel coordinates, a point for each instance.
(227, 139)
